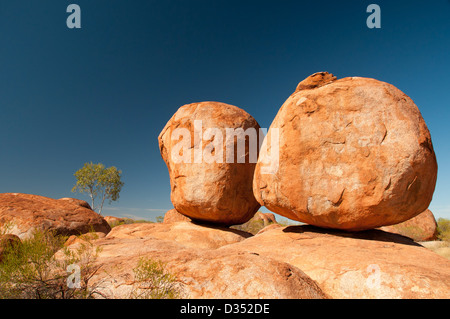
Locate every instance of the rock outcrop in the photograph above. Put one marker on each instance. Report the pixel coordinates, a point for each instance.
(85, 238)
(207, 183)
(369, 264)
(267, 218)
(76, 201)
(21, 214)
(354, 154)
(113, 221)
(280, 262)
(186, 234)
(423, 227)
(172, 216)
(200, 273)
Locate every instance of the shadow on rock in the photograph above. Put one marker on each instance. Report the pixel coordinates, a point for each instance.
(373, 234)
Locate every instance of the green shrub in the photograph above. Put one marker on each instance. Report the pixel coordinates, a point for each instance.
(153, 281)
(31, 270)
(444, 229)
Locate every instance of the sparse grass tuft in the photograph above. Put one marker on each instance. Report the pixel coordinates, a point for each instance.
(153, 281)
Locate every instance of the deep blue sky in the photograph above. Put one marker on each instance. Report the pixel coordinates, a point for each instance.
(103, 93)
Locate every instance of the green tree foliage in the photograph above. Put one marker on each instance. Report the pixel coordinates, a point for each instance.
(159, 219)
(444, 229)
(98, 182)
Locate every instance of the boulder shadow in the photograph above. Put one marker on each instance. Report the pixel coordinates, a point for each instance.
(372, 234)
(222, 228)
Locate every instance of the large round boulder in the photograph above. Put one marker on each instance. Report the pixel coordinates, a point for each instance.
(354, 154)
(421, 228)
(76, 201)
(211, 150)
(172, 216)
(22, 214)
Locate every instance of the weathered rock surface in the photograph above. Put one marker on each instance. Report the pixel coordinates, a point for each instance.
(440, 247)
(279, 262)
(269, 227)
(423, 227)
(85, 238)
(186, 234)
(200, 273)
(172, 216)
(77, 201)
(354, 154)
(369, 264)
(210, 188)
(112, 220)
(257, 223)
(21, 214)
(267, 218)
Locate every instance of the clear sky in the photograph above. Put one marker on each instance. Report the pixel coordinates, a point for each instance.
(104, 92)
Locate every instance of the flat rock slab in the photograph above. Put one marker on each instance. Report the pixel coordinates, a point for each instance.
(187, 234)
(200, 273)
(369, 264)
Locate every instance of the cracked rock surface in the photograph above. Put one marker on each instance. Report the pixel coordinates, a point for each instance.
(354, 154)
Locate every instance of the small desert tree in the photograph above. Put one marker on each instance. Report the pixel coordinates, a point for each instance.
(98, 182)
